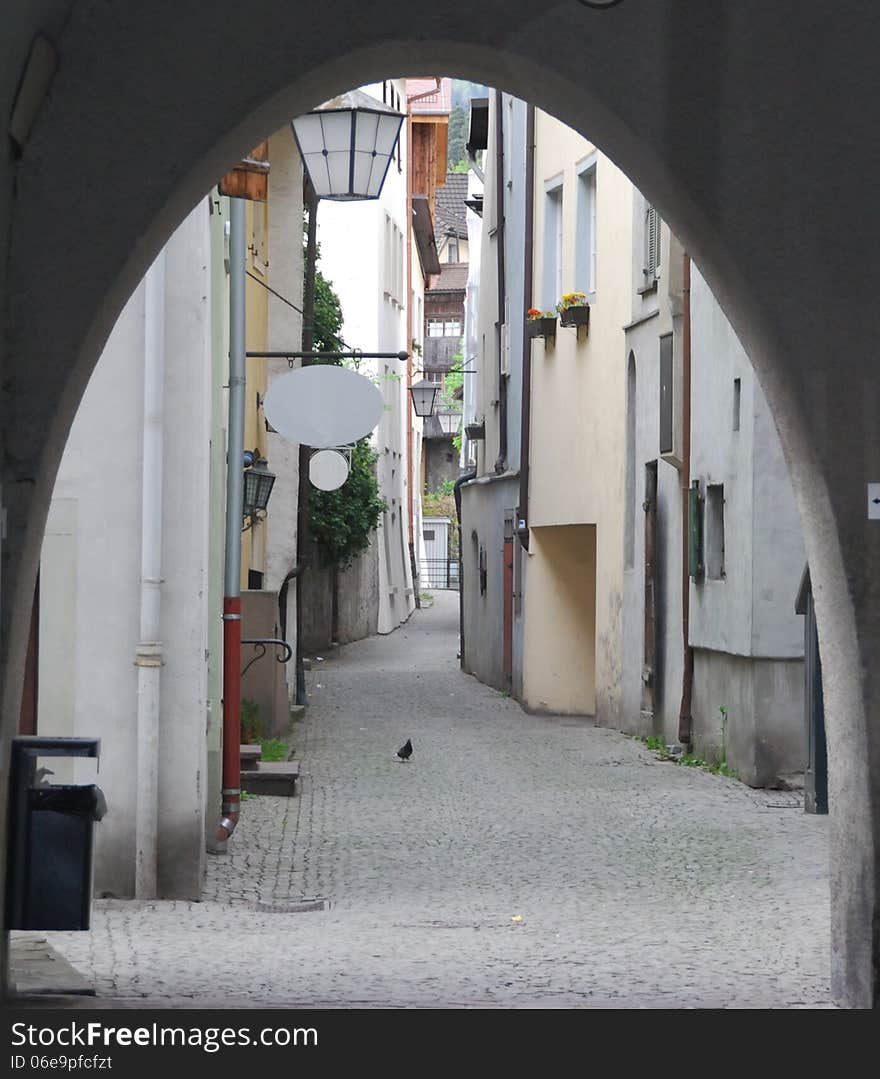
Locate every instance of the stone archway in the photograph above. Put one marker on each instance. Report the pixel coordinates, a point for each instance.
(750, 131)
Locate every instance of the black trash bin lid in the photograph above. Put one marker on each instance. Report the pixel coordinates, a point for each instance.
(77, 800)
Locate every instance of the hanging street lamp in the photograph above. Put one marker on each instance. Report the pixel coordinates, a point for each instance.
(258, 481)
(424, 397)
(347, 145)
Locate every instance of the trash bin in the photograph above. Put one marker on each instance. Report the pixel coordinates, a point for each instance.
(51, 837)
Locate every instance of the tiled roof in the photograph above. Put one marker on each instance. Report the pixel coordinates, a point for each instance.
(453, 278)
(451, 212)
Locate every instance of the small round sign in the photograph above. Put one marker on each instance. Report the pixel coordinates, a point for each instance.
(328, 469)
(323, 406)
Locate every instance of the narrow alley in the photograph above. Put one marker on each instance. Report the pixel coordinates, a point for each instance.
(515, 860)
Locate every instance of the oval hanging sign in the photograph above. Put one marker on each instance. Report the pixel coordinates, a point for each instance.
(328, 470)
(323, 406)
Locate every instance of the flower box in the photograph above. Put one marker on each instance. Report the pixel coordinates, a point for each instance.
(575, 316)
(541, 327)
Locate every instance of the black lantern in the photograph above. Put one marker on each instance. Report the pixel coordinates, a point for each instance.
(347, 145)
(424, 395)
(258, 482)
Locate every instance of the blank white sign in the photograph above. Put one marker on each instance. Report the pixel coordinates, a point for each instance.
(328, 470)
(323, 406)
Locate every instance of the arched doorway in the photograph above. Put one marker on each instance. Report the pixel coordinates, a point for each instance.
(715, 117)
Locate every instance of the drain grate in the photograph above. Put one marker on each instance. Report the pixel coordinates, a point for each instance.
(285, 904)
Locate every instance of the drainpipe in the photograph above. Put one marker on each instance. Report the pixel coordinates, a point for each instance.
(685, 717)
(410, 495)
(501, 462)
(302, 512)
(410, 98)
(148, 658)
(522, 513)
(234, 502)
(464, 478)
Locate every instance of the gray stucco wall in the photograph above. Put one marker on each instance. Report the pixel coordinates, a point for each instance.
(441, 463)
(762, 736)
(643, 343)
(483, 505)
(358, 600)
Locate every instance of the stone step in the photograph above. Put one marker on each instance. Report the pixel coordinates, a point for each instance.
(272, 777)
(250, 757)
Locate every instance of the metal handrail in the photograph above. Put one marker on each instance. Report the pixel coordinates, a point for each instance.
(261, 643)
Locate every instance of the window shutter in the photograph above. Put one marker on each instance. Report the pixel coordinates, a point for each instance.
(695, 532)
(652, 244)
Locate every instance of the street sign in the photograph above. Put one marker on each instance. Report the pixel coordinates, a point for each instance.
(328, 469)
(323, 406)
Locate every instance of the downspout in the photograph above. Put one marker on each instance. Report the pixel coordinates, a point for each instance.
(501, 462)
(685, 716)
(410, 495)
(148, 658)
(410, 98)
(302, 511)
(522, 513)
(231, 785)
(464, 478)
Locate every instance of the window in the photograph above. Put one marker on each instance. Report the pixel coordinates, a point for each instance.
(585, 259)
(429, 534)
(452, 249)
(393, 262)
(444, 327)
(552, 282)
(737, 402)
(652, 246)
(715, 531)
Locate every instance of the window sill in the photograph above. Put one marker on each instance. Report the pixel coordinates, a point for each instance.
(650, 287)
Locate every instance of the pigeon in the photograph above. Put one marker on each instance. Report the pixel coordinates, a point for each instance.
(405, 751)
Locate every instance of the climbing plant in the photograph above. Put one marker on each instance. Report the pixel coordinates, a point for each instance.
(343, 521)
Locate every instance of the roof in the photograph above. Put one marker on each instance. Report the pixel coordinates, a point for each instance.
(437, 102)
(453, 278)
(450, 209)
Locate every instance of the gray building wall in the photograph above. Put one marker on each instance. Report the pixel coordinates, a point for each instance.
(357, 601)
(748, 643)
(484, 503)
(441, 463)
(486, 500)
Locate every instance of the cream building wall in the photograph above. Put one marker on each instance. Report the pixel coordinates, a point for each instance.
(577, 436)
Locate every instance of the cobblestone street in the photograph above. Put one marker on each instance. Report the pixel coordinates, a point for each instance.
(515, 860)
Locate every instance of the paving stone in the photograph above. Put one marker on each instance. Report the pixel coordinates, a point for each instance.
(638, 883)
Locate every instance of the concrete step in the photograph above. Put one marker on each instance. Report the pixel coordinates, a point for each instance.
(250, 757)
(272, 777)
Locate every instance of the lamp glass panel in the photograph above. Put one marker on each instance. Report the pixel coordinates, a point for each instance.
(318, 174)
(309, 133)
(265, 481)
(337, 130)
(380, 167)
(386, 136)
(337, 166)
(250, 492)
(363, 170)
(366, 133)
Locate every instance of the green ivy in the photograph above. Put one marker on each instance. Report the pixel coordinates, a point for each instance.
(343, 521)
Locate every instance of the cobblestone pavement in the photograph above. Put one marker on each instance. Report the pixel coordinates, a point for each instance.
(516, 860)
